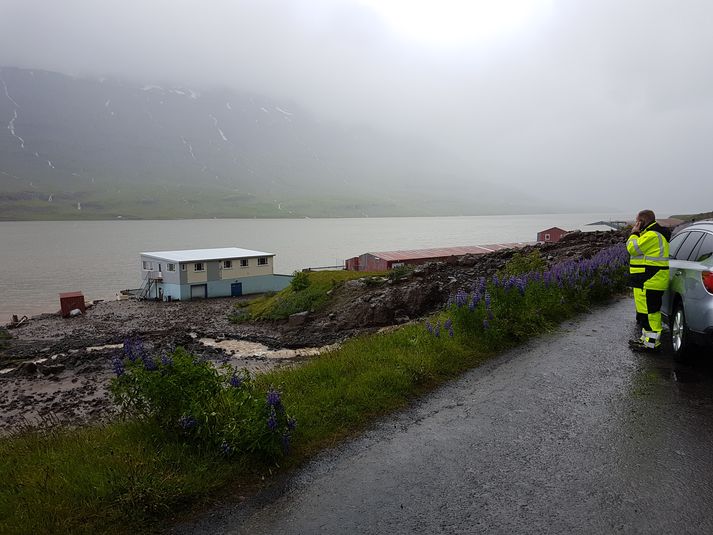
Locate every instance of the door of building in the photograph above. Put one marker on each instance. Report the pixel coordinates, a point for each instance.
(236, 289)
(199, 291)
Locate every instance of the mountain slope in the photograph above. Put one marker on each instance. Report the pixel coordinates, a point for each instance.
(82, 148)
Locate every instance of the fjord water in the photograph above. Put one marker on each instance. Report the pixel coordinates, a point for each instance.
(39, 259)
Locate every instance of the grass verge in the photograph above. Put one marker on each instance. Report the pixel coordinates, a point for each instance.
(290, 301)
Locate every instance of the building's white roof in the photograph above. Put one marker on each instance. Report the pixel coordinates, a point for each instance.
(197, 255)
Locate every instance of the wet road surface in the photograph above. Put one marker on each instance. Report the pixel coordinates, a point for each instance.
(572, 433)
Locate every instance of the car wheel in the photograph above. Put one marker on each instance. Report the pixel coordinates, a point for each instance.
(680, 337)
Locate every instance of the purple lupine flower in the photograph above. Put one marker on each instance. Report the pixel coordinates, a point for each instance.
(134, 349)
(448, 323)
(166, 360)
(521, 285)
(487, 300)
(461, 298)
(496, 281)
(450, 332)
(129, 349)
(187, 422)
(236, 381)
(225, 448)
(437, 330)
(429, 327)
(272, 422)
(149, 363)
(273, 398)
(118, 364)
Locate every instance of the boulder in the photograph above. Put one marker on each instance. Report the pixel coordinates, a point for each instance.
(297, 319)
(51, 369)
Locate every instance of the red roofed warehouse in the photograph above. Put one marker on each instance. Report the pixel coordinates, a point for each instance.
(385, 260)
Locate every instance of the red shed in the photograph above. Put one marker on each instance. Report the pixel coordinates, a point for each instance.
(69, 301)
(551, 235)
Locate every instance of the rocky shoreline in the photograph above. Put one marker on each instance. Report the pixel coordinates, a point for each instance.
(56, 370)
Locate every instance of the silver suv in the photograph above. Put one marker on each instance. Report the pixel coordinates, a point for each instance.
(688, 303)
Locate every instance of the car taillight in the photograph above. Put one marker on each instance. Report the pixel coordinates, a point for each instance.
(707, 277)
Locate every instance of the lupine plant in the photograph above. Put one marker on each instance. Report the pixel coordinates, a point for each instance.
(511, 307)
(189, 400)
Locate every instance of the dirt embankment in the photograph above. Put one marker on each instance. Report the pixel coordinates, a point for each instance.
(58, 369)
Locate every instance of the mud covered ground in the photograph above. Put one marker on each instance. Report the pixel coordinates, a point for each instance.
(57, 370)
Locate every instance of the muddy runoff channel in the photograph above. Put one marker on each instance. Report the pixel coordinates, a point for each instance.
(61, 380)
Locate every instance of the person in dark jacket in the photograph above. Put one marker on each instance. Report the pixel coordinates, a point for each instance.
(648, 275)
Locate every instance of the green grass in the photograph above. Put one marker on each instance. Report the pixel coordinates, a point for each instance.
(288, 301)
(126, 477)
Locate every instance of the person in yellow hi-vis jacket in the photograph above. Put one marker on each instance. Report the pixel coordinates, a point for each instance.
(648, 276)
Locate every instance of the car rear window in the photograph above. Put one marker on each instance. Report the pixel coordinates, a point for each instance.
(688, 245)
(704, 250)
(676, 243)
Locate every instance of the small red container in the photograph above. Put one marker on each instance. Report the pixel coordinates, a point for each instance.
(68, 301)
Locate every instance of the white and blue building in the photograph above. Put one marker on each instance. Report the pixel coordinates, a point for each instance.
(204, 273)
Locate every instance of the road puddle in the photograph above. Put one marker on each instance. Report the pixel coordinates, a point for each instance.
(679, 375)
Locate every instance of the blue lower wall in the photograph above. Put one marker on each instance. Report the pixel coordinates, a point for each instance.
(251, 285)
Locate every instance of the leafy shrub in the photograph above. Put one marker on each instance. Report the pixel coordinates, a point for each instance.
(219, 411)
(507, 309)
(523, 263)
(400, 272)
(300, 281)
(315, 296)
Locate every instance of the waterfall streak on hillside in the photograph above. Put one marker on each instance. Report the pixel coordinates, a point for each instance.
(10, 174)
(11, 128)
(190, 148)
(7, 94)
(215, 121)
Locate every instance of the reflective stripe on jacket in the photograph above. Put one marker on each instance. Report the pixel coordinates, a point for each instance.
(648, 265)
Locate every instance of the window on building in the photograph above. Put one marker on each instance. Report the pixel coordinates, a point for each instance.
(243, 262)
(262, 261)
(227, 264)
(547, 237)
(148, 266)
(171, 267)
(183, 267)
(199, 266)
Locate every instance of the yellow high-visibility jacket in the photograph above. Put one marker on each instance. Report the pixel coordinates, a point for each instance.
(648, 265)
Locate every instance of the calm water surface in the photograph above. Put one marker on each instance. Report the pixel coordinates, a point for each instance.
(39, 259)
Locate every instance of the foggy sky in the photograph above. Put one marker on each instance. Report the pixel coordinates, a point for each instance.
(604, 101)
